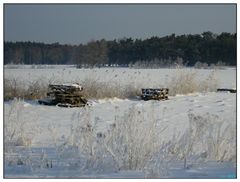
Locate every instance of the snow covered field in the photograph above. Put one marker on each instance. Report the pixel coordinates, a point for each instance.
(187, 136)
(150, 77)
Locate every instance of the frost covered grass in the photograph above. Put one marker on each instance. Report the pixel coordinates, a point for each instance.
(19, 132)
(135, 140)
(18, 128)
(208, 138)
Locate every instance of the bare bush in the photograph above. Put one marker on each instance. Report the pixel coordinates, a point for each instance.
(215, 137)
(36, 89)
(188, 82)
(134, 139)
(132, 142)
(200, 65)
(182, 83)
(210, 84)
(87, 144)
(18, 130)
(206, 139)
(15, 88)
(94, 88)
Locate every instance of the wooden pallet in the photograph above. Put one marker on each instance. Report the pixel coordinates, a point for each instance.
(154, 94)
(227, 90)
(65, 95)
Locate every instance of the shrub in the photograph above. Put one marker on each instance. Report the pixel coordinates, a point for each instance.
(94, 88)
(18, 130)
(36, 89)
(187, 82)
(133, 139)
(210, 84)
(207, 138)
(14, 88)
(182, 83)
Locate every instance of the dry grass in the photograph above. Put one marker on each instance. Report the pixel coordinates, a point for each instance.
(187, 82)
(101, 90)
(134, 139)
(15, 88)
(18, 129)
(184, 82)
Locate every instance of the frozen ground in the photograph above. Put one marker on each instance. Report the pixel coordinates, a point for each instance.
(50, 145)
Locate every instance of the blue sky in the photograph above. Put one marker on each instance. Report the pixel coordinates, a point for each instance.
(78, 23)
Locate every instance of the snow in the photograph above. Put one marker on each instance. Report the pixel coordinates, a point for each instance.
(50, 127)
(72, 85)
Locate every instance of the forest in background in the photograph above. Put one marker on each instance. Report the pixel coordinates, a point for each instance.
(199, 50)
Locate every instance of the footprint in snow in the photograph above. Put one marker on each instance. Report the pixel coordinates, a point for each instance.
(190, 110)
(222, 104)
(219, 101)
(193, 100)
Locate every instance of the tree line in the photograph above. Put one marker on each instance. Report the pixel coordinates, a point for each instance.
(189, 50)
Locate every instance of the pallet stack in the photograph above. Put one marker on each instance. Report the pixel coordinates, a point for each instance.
(65, 95)
(231, 90)
(154, 94)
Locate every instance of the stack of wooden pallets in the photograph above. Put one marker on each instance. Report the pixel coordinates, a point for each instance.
(154, 94)
(231, 90)
(65, 95)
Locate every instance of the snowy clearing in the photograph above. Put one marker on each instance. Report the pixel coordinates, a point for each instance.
(187, 136)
